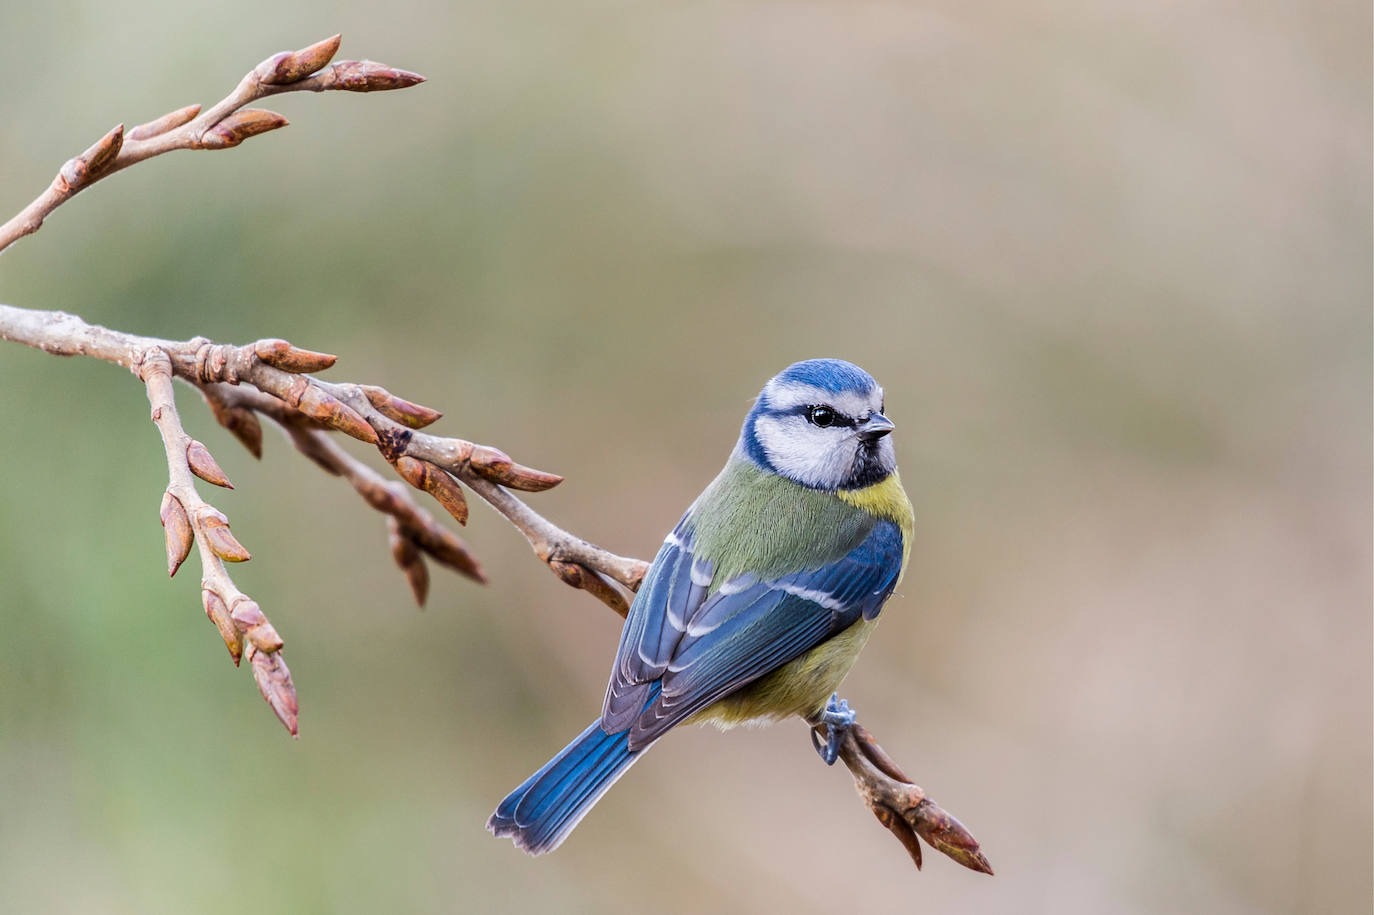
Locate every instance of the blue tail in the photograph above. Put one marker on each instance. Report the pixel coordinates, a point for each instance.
(540, 813)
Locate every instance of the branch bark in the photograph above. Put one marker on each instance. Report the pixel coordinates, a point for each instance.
(273, 378)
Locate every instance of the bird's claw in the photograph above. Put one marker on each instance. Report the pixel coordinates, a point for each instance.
(837, 717)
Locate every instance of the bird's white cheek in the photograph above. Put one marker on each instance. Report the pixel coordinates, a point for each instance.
(804, 453)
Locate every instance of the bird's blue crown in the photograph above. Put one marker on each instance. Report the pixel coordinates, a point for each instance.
(834, 376)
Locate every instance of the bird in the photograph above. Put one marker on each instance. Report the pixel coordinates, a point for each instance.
(759, 600)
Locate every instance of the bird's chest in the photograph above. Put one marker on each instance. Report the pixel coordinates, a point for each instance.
(800, 687)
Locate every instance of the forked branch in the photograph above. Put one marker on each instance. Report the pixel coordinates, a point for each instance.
(273, 378)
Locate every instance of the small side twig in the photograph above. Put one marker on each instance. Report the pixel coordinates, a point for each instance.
(187, 518)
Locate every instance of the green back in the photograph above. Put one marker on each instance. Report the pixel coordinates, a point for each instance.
(752, 521)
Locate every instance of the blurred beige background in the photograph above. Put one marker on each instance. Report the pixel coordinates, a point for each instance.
(1111, 261)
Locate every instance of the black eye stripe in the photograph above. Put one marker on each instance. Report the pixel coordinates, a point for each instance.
(825, 416)
(804, 411)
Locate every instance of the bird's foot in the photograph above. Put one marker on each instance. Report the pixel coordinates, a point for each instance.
(837, 717)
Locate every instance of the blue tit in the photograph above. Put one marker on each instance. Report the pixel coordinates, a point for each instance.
(760, 599)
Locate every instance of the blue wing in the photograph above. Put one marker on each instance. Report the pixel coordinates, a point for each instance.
(699, 649)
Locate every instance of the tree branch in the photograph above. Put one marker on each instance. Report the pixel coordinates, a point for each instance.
(272, 378)
(225, 124)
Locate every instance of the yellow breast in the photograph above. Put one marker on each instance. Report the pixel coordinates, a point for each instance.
(887, 500)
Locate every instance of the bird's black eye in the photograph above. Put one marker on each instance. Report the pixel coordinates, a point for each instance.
(821, 416)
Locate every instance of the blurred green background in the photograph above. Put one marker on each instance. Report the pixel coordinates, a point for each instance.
(1110, 260)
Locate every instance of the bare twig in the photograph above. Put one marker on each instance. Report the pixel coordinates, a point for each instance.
(225, 124)
(272, 378)
(187, 517)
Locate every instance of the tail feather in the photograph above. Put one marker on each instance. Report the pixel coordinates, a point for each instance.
(539, 814)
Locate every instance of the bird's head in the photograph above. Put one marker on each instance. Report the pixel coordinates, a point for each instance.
(820, 423)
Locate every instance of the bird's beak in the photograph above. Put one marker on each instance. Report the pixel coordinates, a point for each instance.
(875, 427)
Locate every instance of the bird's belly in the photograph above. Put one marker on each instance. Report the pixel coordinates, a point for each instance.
(802, 686)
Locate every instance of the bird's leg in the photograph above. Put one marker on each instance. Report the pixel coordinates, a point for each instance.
(836, 717)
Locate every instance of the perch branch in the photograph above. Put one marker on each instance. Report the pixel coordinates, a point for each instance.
(272, 378)
(307, 408)
(901, 805)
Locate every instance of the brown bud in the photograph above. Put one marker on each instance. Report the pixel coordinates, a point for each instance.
(437, 482)
(293, 66)
(411, 470)
(411, 415)
(169, 121)
(254, 625)
(605, 592)
(875, 754)
(282, 355)
(317, 404)
(383, 497)
(491, 463)
(518, 476)
(245, 427)
(417, 576)
(204, 466)
(947, 835)
(569, 572)
(580, 577)
(446, 490)
(219, 615)
(274, 682)
(176, 526)
(403, 549)
(901, 829)
(408, 558)
(448, 549)
(239, 126)
(241, 423)
(370, 76)
(496, 465)
(96, 160)
(214, 527)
